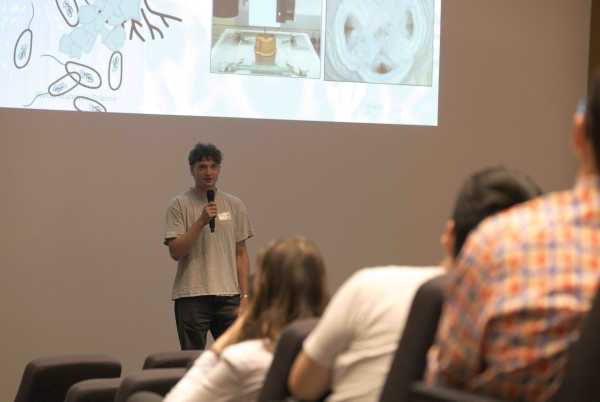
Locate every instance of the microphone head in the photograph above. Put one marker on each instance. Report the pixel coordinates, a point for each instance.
(210, 195)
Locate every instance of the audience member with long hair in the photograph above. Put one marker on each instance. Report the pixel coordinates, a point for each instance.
(289, 284)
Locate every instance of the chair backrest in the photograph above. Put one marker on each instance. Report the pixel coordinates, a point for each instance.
(581, 381)
(175, 359)
(159, 381)
(94, 390)
(289, 345)
(48, 379)
(408, 364)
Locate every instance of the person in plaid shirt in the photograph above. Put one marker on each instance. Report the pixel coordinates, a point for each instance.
(351, 349)
(522, 284)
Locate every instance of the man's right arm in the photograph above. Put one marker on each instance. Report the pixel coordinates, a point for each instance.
(181, 245)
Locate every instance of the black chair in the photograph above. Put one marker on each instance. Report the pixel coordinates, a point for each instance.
(48, 379)
(159, 381)
(105, 390)
(410, 359)
(94, 390)
(581, 381)
(289, 345)
(175, 359)
(422, 392)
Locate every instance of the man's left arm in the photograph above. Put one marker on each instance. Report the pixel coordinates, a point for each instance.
(243, 231)
(242, 264)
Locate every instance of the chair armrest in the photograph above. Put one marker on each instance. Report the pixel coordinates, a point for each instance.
(94, 390)
(145, 396)
(159, 381)
(175, 359)
(49, 378)
(421, 392)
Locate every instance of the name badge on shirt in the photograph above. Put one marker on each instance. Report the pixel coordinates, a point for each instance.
(225, 216)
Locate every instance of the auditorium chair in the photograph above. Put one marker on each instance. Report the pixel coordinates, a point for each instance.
(105, 390)
(581, 381)
(289, 345)
(47, 379)
(410, 358)
(94, 390)
(159, 381)
(175, 359)
(422, 392)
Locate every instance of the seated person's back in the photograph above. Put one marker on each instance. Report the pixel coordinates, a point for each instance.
(359, 332)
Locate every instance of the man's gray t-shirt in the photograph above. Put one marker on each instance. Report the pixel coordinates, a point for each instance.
(210, 267)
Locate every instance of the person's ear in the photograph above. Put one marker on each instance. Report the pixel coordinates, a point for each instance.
(448, 239)
(579, 137)
(582, 145)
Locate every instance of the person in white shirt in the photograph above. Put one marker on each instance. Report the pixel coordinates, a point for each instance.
(289, 284)
(351, 349)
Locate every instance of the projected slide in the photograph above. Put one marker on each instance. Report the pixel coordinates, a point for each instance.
(313, 60)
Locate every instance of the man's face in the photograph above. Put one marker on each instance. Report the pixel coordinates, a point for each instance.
(205, 173)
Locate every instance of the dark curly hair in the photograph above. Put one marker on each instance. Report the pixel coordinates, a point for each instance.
(205, 151)
(485, 193)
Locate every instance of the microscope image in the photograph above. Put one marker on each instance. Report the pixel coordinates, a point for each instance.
(267, 37)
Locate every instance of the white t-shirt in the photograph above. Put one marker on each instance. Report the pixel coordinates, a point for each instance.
(360, 329)
(237, 376)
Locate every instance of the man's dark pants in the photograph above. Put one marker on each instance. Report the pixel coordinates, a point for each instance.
(195, 316)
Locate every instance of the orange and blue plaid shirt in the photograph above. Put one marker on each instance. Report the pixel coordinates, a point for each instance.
(518, 292)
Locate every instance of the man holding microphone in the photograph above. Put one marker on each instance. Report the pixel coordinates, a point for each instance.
(206, 232)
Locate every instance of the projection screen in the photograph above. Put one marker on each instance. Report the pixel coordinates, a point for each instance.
(315, 60)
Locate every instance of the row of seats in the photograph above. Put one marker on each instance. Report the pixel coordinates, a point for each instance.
(96, 378)
(88, 379)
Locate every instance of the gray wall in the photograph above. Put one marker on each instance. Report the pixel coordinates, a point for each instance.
(84, 195)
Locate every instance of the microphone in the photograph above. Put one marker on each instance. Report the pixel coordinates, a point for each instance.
(210, 196)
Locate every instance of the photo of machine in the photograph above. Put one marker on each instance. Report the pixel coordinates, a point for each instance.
(267, 37)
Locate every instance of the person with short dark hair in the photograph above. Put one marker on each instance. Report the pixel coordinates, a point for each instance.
(522, 285)
(351, 349)
(484, 194)
(207, 238)
(205, 151)
(290, 284)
